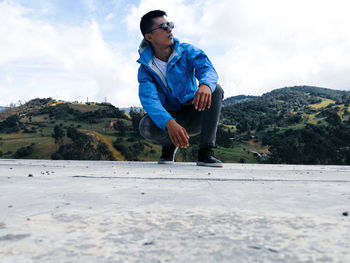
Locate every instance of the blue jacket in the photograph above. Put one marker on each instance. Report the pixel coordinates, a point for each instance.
(159, 95)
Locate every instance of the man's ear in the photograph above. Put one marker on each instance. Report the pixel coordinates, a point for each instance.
(148, 37)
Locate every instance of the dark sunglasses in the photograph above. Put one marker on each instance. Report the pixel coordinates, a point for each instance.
(163, 26)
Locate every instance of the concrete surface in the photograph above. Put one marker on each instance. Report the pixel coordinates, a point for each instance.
(82, 211)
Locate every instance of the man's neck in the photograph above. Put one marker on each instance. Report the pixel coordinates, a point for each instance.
(163, 54)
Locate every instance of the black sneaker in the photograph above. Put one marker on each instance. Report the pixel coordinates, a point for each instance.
(168, 154)
(206, 158)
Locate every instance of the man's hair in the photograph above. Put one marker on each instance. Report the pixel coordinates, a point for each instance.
(147, 20)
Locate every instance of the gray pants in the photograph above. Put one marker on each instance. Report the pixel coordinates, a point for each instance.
(195, 122)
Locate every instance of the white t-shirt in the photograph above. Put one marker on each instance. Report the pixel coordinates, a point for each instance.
(161, 66)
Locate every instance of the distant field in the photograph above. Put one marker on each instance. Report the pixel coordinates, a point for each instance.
(43, 146)
(255, 146)
(85, 107)
(311, 118)
(324, 103)
(234, 155)
(232, 128)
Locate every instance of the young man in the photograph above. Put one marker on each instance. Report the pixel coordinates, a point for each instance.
(176, 107)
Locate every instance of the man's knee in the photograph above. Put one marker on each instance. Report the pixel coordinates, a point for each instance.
(145, 127)
(218, 95)
(218, 92)
(150, 131)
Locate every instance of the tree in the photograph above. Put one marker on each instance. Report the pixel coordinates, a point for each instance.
(124, 150)
(224, 137)
(24, 151)
(58, 134)
(121, 127)
(103, 153)
(11, 124)
(310, 145)
(81, 146)
(136, 116)
(333, 119)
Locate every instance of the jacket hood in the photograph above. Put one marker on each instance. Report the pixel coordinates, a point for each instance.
(146, 52)
(143, 45)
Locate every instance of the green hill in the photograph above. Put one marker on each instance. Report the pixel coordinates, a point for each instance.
(237, 99)
(50, 129)
(281, 119)
(302, 124)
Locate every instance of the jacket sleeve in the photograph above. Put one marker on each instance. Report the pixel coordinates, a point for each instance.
(150, 101)
(204, 69)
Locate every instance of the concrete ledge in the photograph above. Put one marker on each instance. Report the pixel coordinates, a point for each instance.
(83, 211)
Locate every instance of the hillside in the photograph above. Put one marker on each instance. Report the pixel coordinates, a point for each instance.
(237, 99)
(285, 107)
(301, 124)
(49, 129)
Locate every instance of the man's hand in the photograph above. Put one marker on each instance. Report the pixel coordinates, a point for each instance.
(202, 98)
(177, 134)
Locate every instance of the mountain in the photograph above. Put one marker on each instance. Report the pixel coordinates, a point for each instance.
(46, 128)
(237, 99)
(299, 125)
(2, 108)
(128, 109)
(281, 107)
(310, 91)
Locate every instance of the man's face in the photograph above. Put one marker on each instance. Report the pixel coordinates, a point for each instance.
(160, 37)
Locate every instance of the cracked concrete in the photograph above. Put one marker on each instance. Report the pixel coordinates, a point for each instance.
(84, 211)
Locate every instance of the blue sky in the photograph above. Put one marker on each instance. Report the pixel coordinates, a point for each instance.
(74, 50)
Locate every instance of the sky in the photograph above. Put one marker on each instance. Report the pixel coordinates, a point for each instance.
(87, 49)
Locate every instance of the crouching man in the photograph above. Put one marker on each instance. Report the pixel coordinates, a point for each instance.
(176, 107)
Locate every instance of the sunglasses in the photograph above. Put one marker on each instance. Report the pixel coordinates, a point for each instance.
(163, 26)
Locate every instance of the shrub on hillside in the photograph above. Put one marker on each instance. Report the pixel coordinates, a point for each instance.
(311, 145)
(31, 130)
(124, 150)
(130, 153)
(11, 124)
(56, 156)
(136, 115)
(24, 151)
(81, 146)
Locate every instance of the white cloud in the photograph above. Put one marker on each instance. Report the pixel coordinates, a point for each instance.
(91, 4)
(258, 46)
(183, 13)
(64, 62)
(110, 16)
(272, 44)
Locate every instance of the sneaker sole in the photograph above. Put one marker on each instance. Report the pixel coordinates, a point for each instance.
(169, 162)
(219, 165)
(166, 162)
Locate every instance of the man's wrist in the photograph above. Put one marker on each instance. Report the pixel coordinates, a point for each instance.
(205, 85)
(169, 123)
